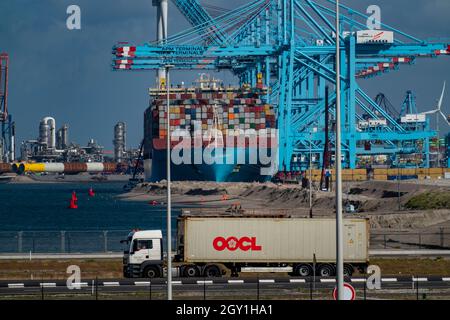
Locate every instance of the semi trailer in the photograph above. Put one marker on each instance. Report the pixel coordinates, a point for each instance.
(212, 245)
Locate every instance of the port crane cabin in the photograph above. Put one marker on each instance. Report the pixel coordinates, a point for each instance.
(289, 46)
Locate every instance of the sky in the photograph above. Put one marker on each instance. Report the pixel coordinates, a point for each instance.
(66, 73)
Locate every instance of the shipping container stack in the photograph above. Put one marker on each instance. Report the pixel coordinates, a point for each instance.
(227, 111)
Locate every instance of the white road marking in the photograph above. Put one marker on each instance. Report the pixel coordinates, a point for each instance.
(80, 284)
(296, 280)
(204, 282)
(420, 279)
(327, 280)
(48, 284)
(358, 280)
(445, 279)
(235, 281)
(142, 283)
(266, 281)
(111, 284)
(16, 285)
(388, 279)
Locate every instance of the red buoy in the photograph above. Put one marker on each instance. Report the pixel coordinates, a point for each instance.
(73, 201)
(91, 192)
(73, 204)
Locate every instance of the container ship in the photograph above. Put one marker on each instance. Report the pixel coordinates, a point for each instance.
(223, 134)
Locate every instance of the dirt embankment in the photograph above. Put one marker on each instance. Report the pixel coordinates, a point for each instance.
(112, 268)
(422, 204)
(368, 196)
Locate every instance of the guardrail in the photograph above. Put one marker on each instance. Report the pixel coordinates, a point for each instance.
(410, 240)
(106, 241)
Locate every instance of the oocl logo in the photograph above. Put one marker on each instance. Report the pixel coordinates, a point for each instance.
(233, 244)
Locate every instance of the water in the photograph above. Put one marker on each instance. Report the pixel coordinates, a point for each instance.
(41, 212)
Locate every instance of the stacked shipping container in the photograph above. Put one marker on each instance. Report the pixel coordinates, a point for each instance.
(223, 111)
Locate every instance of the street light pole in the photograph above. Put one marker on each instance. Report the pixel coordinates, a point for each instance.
(310, 176)
(169, 200)
(339, 237)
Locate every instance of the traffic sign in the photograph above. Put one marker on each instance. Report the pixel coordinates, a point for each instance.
(349, 292)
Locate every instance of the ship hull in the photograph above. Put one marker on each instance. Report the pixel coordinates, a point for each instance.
(225, 170)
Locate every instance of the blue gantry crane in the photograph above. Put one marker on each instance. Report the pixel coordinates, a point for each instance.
(289, 46)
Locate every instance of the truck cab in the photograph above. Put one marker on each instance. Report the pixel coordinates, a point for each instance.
(143, 256)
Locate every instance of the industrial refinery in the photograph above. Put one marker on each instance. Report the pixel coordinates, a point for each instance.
(52, 145)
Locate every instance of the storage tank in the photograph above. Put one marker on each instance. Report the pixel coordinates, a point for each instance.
(270, 240)
(44, 133)
(65, 136)
(119, 141)
(47, 132)
(62, 140)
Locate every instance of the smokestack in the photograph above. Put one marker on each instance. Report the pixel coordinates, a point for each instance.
(119, 141)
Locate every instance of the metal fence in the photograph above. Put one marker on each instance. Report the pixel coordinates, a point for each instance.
(408, 240)
(109, 241)
(62, 241)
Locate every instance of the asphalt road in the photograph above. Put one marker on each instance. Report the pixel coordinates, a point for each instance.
(217, 285)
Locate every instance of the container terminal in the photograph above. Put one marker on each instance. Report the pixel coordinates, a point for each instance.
(287, 66)
(267, 44)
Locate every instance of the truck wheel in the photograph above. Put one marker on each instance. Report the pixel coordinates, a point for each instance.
(303, 270)
(348, 270)
(151, 272)
(191, 271)
(326, 270)
(212, 271)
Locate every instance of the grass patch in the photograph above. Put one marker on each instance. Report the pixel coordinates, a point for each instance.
(412, 266)
(429, 200)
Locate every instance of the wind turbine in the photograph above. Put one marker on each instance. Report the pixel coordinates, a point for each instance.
(438, 112)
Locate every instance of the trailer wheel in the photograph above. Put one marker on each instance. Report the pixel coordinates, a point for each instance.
(348, 270)
(212, 271)
(303, 270)
(326, 270)
(191, 271)
(151, 272)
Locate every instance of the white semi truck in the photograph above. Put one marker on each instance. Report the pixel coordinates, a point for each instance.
(209, 246)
